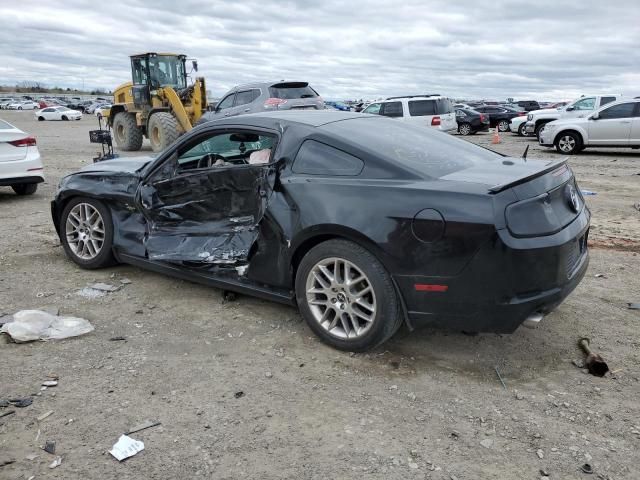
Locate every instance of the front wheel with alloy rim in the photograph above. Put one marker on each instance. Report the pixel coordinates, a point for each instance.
(503, 125)
(464, 129)
(346, 296)
(521, 130)
(86, 232)
(568, 143)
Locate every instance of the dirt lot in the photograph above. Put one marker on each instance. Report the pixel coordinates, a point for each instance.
(427, 405)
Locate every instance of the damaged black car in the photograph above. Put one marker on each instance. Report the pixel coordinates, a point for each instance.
(362, 222)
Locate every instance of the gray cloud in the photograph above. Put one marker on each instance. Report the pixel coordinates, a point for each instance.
(547, 49)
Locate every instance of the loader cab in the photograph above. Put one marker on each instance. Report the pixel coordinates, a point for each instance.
(151, 71)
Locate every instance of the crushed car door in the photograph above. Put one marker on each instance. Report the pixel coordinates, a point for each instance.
(203, 204)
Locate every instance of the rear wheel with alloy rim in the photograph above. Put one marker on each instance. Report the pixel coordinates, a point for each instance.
(568, 143)
(346, 296)
(464, 129)
(86, 232)
(503, 125)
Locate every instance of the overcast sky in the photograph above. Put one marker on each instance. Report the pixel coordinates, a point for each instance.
(542, 49)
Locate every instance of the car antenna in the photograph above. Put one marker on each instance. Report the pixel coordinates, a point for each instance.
(524, 155)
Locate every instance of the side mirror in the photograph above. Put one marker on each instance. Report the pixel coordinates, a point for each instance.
(595, 116)
(194, 63)
(570, 109)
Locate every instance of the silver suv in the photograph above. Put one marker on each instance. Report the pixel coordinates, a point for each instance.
(614, 125)
(265, 97)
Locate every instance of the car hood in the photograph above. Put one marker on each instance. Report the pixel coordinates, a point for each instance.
(544, 111)
(120, 165)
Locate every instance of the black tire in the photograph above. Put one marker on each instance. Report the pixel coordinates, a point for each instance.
(388, 316)
(503, 125)
(127, 134)
(465, 129)
(163, 130)
(105, 258)
(41, 119)
(64, 117)
(565, 146)
(521, 128)
(538, 129)
(25, 188)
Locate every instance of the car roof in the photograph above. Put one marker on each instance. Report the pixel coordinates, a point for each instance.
(312, 118)
(434, 96)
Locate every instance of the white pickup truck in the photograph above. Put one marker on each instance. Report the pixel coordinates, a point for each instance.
(581, 107)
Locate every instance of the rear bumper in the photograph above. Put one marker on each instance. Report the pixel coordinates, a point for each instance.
(27, 170)
(507, 281)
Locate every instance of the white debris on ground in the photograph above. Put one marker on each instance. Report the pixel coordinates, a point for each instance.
(30, 325)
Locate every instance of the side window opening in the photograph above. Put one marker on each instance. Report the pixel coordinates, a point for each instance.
(373, 109)
(392, 109)
(605, 100)
(316, 158)
(623, 110)
(226, 102)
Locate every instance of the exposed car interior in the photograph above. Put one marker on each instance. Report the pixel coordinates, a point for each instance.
(227, 149)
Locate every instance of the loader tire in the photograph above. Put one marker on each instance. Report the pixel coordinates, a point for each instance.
(127, 134)
(163, 130)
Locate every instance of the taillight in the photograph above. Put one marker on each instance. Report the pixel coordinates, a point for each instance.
(522, 114)
(482, 117)
(274, 102)
(24, 142)
(435, 121)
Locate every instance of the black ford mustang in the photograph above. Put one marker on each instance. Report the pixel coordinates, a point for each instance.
(363, 222)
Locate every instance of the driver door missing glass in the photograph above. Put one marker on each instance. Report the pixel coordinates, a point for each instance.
(204, 202)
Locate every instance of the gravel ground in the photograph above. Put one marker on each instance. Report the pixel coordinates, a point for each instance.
(426, 405)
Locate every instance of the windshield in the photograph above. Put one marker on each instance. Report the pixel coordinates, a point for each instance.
(163, 70)
(421, 149)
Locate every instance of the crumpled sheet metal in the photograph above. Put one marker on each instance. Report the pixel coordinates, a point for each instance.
(30, 325)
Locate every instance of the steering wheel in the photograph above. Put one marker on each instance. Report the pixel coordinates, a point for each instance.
(209, 159)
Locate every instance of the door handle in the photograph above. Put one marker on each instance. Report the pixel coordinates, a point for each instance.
(227, 114)
(625, 121)
(247, 109)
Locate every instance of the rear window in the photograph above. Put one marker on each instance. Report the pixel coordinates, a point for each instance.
(440, 106)
(423, 150)
(292, 90)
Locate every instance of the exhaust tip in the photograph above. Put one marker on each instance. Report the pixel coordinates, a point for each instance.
(533, 320)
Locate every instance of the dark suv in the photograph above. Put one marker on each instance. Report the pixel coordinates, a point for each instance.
(266, 97)
(529, 105)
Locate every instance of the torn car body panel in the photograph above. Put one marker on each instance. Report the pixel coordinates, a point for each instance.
(209, 216)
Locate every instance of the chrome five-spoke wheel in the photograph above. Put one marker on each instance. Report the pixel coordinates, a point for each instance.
(85, 231)
(567, 143)
(341, 298)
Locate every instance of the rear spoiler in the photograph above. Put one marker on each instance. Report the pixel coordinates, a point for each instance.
(549, 168)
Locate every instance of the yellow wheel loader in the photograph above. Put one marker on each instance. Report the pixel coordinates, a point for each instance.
(158, 103)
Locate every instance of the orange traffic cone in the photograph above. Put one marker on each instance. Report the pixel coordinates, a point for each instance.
(496, 137)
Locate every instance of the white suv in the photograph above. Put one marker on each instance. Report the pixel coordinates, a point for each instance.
(427, 110)
(614, 125)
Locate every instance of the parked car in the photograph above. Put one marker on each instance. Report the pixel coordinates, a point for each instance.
(23, 105)
(470, 121)
(79, 105)
(343, 107)
(57, 113)
(263, 204)
(20, 164)
(424, 110)
(92, 108)
(6, 101)
(100, 111)
(498, 116)
(528, 105)
(581, 107)
(265, 97)
(614, 125)
(517, 125)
